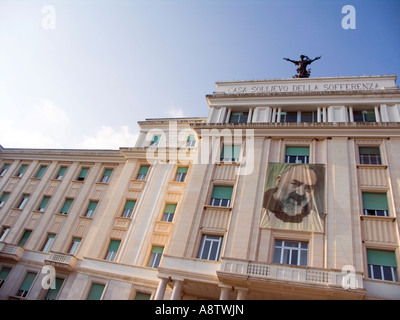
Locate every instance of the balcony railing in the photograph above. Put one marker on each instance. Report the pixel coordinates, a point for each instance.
(62, 261)
(11, 252)
(288, 273)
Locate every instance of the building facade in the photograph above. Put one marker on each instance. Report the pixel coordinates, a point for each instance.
(288, 189)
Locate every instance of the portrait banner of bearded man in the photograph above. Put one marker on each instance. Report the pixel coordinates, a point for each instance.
(294, 197)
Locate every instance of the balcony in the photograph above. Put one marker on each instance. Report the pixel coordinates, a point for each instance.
(61, 261)
(287, 275)
(10, 252)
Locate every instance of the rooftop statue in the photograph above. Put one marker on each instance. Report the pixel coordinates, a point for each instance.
(302, 71)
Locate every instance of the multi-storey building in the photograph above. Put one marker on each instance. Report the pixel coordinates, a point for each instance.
(289, 189)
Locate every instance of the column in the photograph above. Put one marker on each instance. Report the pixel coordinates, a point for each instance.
(250, 115)
(377, 114)
(319, 114)
(241, 293)
(162, 285)
(225, 290)
(176, 291)
(351, 115)
(278, 118)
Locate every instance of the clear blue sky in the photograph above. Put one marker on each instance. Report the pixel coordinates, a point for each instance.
(110, 63)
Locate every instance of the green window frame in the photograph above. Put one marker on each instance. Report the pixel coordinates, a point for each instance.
(26, 284)
(24, 238)
(82, 174)
(4, 169)
(221, 196)
(66, 206)
(4, 198)
(181, 173)
(43, 204)
(112, 250)
(375, 204)
(382, 265)
(61, 173)
(169, 212)
(297, 154)
(155, 256)
(96, 291)
(22, 170)
(91, 209)
(231, 152)
(40, 172)
(143, 170)
(52, 294)
(128, 208)
(106, 175)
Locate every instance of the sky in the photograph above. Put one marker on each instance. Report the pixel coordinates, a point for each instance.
(80, 74)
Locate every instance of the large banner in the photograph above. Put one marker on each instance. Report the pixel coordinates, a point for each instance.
(294, 197)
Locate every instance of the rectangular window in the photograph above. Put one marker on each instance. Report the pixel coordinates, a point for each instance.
(169, 211)
(49, 242)
(61, 173)
(289, 116)
(230, 153)
(375, 204)
(239, 117)
(370, 155)
(43, 204)
(382, 265)
(26, 285)
(297, 154)
(221, 196)
(308, 116)
(142, 172)
(52, 294)
(3, 233)
(82, 174)
(3, 199)
(155, 256)
(154, 142)
(128, 209)
(90, 209)
(73, 248)
(290, 252)
(364, 115)
(112, 250)
(181, 173)
(4, 169)
(96, 291)
(210, 248)
(23, 201)
(24, 238)
(66, 206)
(142, 296)
(21, 170)
(106, 175)
(191, 141)
(39, 174)
(4, 272)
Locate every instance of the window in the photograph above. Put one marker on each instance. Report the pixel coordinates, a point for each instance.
(52, 294)
(181, 174)
(26, 285)
(210, 248)
(3, 233)
(24, 238)
(106, 175)
(61, 173)
(142, 172)
(290, 252)
(4, 169)
(73, 248)
(169, 211)
(3, 199)
(49, 242)
(308, 116)
(382, 265)
(21, 170)
(82, 174)
(154, 142)
(112, 250)
(289, 116)
(230, 153)
(23, 201)
(142, 296)
(96, 291)
(128, 209)
(369, 155)
(239, 117)
(297, 155)
(90, 209)
(155, 256)
(66, 206)
(364, 116)
(43, 204)
(191, 141)
(375, 204)
(4, 272)
(40, 172)
(221, 196)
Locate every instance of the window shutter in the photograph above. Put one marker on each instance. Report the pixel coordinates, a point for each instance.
(44, 202)
(156, 249)
(170, 208)
(220, 192)
(114, 245)
(62, 171)
(143, 169)
(369, 150)
(130, 204)
(191, 138)
(375, 201)
(96, 291)
(381, 258)
(92, 205)
(27, 283)
(66, 206)
(24, 237)
(52, 293)
(182, 170)
(83, 173)
(4, 197)
(41, 171)
(297, 151)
